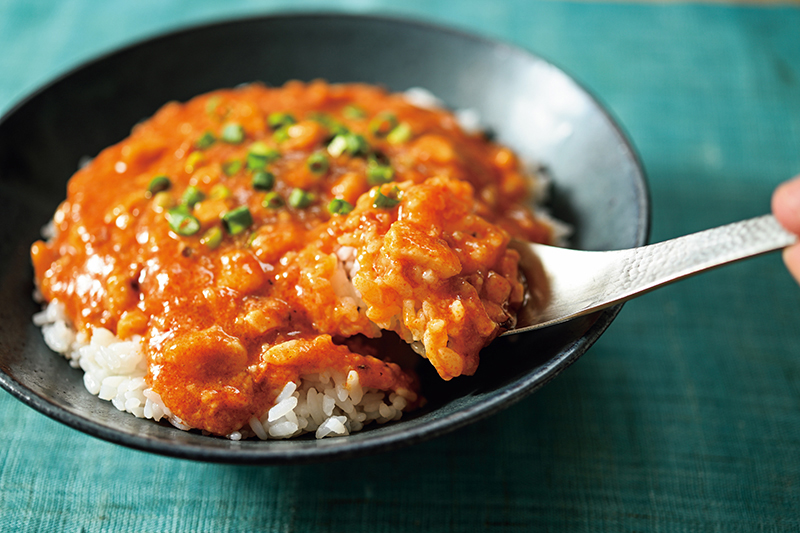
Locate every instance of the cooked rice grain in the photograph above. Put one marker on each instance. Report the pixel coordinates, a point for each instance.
(328, 405)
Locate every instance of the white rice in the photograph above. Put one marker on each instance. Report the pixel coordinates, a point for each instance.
(468, 119)
(423, 98)
(327, 404)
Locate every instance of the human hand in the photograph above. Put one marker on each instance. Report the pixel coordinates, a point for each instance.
(786, 208)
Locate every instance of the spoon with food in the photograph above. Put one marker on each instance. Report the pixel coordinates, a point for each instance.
(565, 284)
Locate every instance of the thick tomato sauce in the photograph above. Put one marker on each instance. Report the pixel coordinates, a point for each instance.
(231, 309)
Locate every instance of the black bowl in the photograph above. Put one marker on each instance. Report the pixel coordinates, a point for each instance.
(528, 103)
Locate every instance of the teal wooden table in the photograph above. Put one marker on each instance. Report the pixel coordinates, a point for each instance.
(685, 416)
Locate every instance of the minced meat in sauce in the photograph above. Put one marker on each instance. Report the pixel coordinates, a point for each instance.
(249, 235)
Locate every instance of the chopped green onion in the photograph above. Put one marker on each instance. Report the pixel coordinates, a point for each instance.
(251, 239)
(281, 134)
(317, 163)
(277, 121)
(357, 144)
(338, 145)
(182, 222)
(237, 220)
(260, 148)
(353, 112)
(233, 133)
(330, 123)
(163, 200)
(212, 238)
(231, 167)
(378, 174)
(219, 191)
(400, 134)
(205, 140)
(300, 198)
(350, 143)
(383, 201)
(256, 162)
(212, 104)
(337, 128)
(337, 206)
(382, 124)
(263, 180)
(272, 200)
(192, 195)
(259, 154)
(157, 184)
(379, 169)
(195, 159)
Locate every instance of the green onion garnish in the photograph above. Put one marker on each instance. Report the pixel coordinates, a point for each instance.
(400, 134)
(233, 133)
(357, 144)
(263, 180)
(350, 143)
(330, 123)
(277, 121)
(194, 160)
(281, 134)
(353, 112)
(231, 167)
(337, 128)
(383, 201)
(338, 145)
(182, 222)
(382, 124)
(219, 191)
(237, 220)
(212, 238)
(317, 163)
(378, 174)
(212, 104)
(157, 184)
(260, 148)
(337, 206)
(256, 162)
(272, 200)
(259, 154)
(300, 198)
(205, 140)
(192, 195)
(162, 200)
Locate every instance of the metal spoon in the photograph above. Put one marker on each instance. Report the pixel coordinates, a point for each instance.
(565, 284)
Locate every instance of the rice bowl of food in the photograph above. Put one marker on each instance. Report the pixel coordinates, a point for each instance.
(243, 275)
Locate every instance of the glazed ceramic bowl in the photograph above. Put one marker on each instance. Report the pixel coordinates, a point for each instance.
(527, 103)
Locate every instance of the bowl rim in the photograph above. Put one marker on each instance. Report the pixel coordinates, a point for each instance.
(272, 452)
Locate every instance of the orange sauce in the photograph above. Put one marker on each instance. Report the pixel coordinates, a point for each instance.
(229, 314)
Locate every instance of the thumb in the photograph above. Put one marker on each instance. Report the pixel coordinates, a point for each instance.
(786, 204)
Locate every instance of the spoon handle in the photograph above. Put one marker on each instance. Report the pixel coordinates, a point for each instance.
(577, 283)
(651, 266)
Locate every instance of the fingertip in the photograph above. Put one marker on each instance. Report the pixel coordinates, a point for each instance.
(786, 204)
